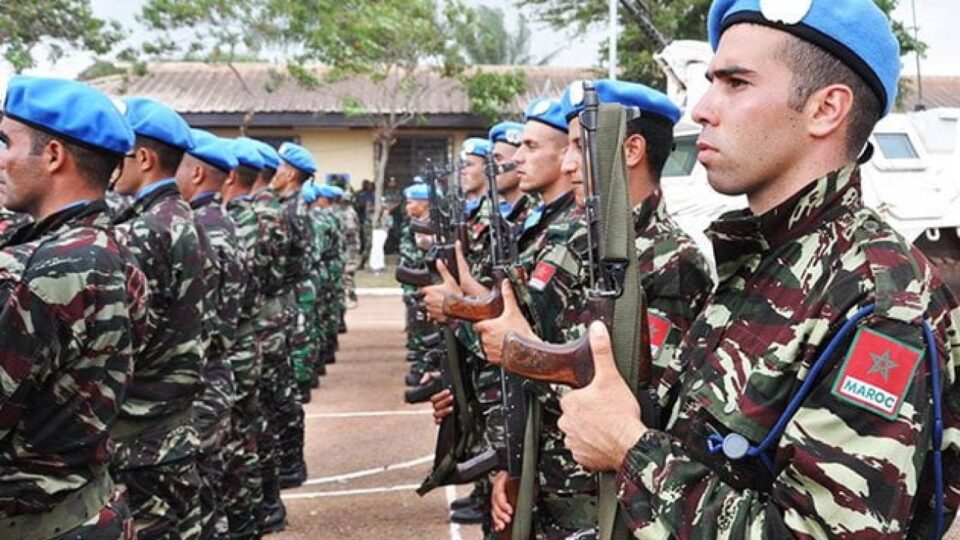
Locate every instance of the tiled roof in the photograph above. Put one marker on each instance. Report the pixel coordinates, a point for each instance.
(199, 88)
(938, 91)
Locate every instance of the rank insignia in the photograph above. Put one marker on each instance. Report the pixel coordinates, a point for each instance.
(877, 373)
(659, 330)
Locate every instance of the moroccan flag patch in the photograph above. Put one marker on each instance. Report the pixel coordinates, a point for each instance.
(541, 276)
(877, 373)
(659, 330)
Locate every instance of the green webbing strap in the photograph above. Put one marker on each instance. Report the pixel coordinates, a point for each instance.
(526, 494)
(619, 238)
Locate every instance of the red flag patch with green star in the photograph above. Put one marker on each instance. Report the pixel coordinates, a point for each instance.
(659, 330)
(877, 373)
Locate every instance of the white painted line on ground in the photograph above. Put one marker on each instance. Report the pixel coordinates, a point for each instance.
(451, 493)
(348, 492)
(370, 414)
(380, 291)
(369, 472)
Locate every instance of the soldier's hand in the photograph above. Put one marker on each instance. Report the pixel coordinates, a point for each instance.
(469, 285)
(602, 420)
(433, 295)
(442, 403)
(500, 509)
(493, 331)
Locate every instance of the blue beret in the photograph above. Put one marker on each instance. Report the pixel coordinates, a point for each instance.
(417, 192)
(268, 155)
(213, 150)
(247, 152)
(546, 111)
(507, 132)
(628, 94)
(309, 192)
(328, 192)
(857, 32)
(337, 192)
(476, 147)
(299, 157)
(153, 119)
(74, 111)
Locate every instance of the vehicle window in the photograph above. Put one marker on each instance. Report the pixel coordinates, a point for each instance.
(896, 146)
(683, 158)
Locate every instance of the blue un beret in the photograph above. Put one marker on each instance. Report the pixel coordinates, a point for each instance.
(74, 111)
(417, 192)
(269, 156)
(329, 192)
(309, 192)
(546, 111)
(475, 146)
(628, 94)
(857, 32)
(299, 157)
(213, 150)
(507, 132)
(153, 119)
(247, 152)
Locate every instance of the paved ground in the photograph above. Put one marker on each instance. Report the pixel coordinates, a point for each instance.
(366, 449)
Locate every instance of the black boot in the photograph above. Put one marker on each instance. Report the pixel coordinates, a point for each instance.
(276, 517)
(293, 478)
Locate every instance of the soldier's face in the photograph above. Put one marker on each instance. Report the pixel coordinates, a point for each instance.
(751, 136)
(416, 209)
(129, 181)
(573, 160)
(23, 178)
(539, 157)
(472, 179)
(503, 153)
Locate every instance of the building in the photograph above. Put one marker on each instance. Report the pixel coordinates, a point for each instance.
(336, 120)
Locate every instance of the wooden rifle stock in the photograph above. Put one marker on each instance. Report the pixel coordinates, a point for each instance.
(568, 363)
(473, 308)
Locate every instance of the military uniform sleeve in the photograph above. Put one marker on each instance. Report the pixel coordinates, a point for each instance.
(841, 469)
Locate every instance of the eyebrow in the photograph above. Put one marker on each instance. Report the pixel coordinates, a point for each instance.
(726, 73)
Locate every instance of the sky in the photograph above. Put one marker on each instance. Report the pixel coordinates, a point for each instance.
(935, 19)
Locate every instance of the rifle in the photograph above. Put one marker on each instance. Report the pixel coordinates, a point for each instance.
(640, 14)
(422, 226)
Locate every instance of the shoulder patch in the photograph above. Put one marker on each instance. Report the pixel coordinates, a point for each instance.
(541, 276)
(877, 373)
(659, 330)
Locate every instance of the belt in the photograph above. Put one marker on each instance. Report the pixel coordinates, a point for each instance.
(69, 514)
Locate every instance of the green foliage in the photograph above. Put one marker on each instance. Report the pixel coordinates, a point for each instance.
(100, 68)
(57, 24)
(486, 39)
(490, 93)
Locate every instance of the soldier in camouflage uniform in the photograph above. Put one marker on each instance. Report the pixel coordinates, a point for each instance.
(335, 265)
(802, 402)
(352, 242)
(244, 483)
(10, 222)
(289, 181)
(200, 177)
(413, 249)
(276, 375)
(156, 441)
(74, 313)
(327, 229)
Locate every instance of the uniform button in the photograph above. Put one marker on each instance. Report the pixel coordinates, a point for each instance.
(871, 226)
(697, 385)
(729, 407)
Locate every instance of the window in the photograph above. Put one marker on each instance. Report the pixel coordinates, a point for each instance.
(896, 146)
(683, 158)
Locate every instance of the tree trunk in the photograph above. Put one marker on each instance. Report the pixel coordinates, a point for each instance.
(382, 149)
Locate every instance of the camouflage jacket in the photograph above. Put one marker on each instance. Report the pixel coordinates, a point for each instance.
(302, 242)
(351, 236)
(517, 215)
(229, 259)
(273, 244)
(846, 466)
(10, 222)
(73, 313)
(327, 228)
(478, 253)
(675, 277)
(154, 420)
(241, 213)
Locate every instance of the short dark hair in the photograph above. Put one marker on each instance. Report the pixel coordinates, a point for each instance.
(658, 133)
(299, 176)
(813, 70)
(95, 167)
(247, 175)
(168, 157)
(267, 174)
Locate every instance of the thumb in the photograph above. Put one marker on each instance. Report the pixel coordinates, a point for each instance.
(444, 273)
(604, 364)
(461, 260)
(510, 304)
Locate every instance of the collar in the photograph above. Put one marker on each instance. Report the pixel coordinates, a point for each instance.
(203, 198)
(651, 209)
(84, 211)
(147, 190)
(545, 212)
(741, 233)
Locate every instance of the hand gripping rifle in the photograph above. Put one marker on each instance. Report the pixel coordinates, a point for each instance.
(614, 295)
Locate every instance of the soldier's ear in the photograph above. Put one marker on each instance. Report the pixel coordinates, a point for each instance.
(55, 155)
(635, 150)
(198, 174)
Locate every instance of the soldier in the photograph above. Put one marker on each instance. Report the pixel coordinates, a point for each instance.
(327, 199)
(805, 401)
(200, 178)
(72, 313)
(413, 249)
(352, 242)
(10, 222)
(244, 486)
(515, 204)
(156, 441)
(327, 227)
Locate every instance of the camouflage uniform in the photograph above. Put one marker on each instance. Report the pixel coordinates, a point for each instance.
(327, 247)
(417, 325)
(271, 325)
(73, 312)
(351, 236)
(298, 282)
(156, 442)
(789, 279)
(243, 491)
(212, 411)
(10, 222)
(335, 264)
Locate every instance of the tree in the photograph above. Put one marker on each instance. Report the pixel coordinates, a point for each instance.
(56, 24)
(676, 19)
(486, 40)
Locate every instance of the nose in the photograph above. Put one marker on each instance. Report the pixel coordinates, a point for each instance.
(704, 112)
(571, 162)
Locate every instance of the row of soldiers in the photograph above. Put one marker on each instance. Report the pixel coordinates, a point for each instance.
(811, 391)
(169, 300)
